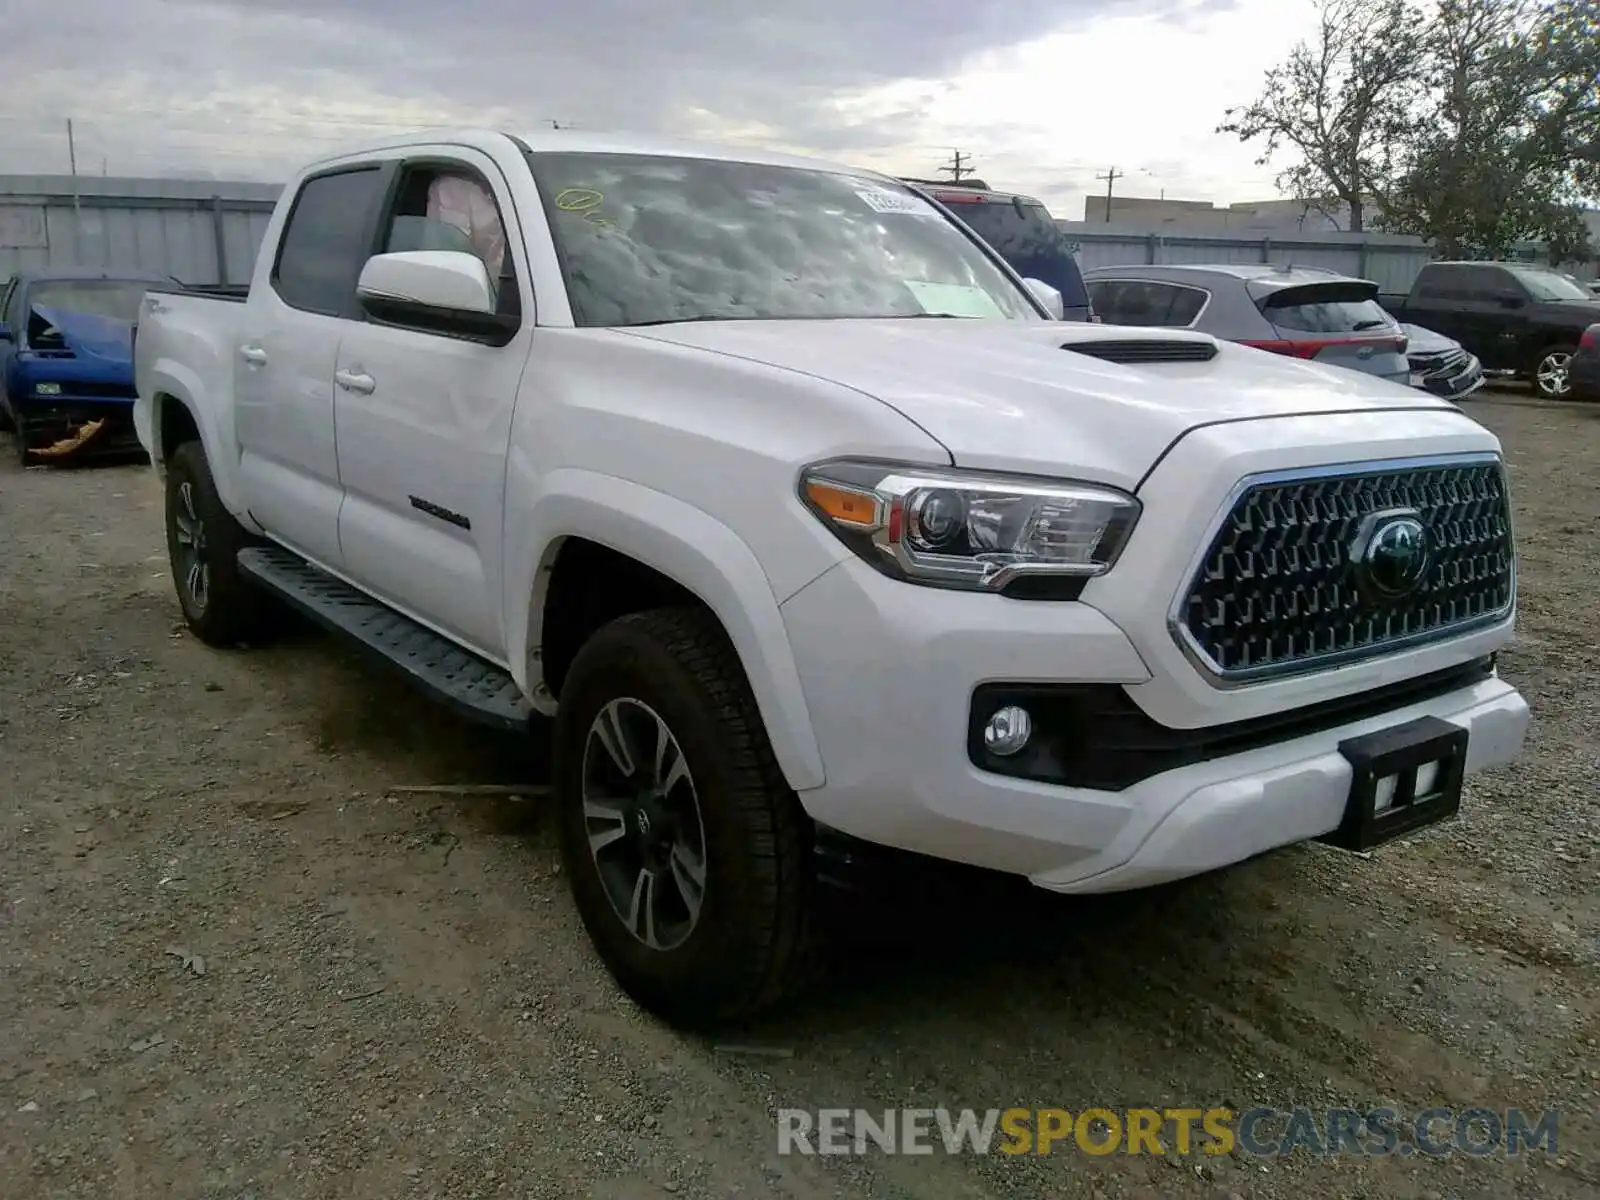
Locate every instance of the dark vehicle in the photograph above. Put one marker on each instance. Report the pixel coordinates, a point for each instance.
(1441, 365)
(1583, 371)
(1519, 319)
(66, 359)
(1302, 312)
(1021, 231)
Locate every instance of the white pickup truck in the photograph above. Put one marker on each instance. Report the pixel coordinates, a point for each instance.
(670, 443)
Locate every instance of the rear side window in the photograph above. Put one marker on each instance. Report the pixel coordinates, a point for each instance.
(1146, 302)
(1025, 235)
(327, 240)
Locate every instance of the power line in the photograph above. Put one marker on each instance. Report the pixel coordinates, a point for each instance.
(1111, 177)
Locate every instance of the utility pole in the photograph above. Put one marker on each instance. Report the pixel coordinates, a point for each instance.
(959, 167)
(1111, 178)
(72, 160)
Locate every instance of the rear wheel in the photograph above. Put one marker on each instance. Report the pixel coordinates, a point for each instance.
(1550, 373)
(690, 858)
(203, 542)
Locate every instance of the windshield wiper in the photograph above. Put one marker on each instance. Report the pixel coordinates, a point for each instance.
(1361, 325)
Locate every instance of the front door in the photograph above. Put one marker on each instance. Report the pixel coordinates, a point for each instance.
(300, 306)
(424, 420)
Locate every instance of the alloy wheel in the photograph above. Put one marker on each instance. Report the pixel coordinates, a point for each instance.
(642, 816)
(1552, 373)
(193, 566)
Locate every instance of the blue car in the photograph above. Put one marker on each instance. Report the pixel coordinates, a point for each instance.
(66, 361)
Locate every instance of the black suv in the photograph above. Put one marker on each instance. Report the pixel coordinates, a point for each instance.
(1022, 232)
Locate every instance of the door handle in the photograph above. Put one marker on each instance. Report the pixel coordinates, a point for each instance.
(254, 355)
(355, 381)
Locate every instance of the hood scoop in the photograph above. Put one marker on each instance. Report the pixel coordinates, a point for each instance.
(1145, 350)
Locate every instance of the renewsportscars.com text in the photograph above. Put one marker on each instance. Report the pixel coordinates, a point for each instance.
(1259, 1132)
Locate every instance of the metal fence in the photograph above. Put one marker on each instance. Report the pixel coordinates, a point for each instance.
(199, 231)
(1390, 260)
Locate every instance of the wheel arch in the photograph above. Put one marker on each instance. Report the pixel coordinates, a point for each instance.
(652, 550)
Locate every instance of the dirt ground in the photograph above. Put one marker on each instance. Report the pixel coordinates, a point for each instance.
(233, 965)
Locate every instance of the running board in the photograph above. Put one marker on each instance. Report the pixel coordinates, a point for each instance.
(477, 690)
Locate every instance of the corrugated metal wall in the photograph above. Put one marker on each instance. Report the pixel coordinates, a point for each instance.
(1391, 262)
(199, 231)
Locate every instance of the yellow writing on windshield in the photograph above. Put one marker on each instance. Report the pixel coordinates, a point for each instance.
(585, 202)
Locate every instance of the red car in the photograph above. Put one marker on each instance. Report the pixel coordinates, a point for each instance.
(1583, 368)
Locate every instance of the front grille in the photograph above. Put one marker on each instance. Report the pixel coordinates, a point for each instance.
(1146, 351)
(1278, 590)
(1449, 363)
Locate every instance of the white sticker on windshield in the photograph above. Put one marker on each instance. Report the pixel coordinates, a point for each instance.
(952, 299)
(882, 200)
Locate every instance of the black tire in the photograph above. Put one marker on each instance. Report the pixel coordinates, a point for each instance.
(227, 609)
(1544, 372)
(752, 945)
(19, 441)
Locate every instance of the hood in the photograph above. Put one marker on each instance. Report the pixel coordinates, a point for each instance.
(1420, 341)
(1588, 310)
(90, 336)
(1006, 396)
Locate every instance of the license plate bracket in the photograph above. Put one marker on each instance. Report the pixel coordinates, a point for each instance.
(1400, 753)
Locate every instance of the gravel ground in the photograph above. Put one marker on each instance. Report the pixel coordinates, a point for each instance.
(234, 965)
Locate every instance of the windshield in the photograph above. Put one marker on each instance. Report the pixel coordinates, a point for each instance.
(1549, 285)
(651, 239)
(115, 298)
(1028, 238)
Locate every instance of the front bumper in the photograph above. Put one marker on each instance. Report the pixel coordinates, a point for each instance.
(890, 672)
(1451, 377)
(60, 421)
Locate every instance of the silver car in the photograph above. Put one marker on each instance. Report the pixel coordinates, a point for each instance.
(1304, 312)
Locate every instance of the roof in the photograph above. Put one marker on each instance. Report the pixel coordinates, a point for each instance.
(1259, 272)
(584, 141)
(974, 188)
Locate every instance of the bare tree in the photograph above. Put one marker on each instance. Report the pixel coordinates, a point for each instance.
(1345, 101)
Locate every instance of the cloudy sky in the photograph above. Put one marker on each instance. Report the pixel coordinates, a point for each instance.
(1042, 94)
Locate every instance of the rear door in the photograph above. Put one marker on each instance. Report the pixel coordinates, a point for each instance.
(287, 351)
(1023, 232)
(1338, 322)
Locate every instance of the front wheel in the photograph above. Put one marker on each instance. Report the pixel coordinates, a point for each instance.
(1550, 374)
(203, 542)
(688, 854)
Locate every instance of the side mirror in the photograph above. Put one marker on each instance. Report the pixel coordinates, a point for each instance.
(5, 333)
(1511, 300)
(439, 291)
(1047, 296)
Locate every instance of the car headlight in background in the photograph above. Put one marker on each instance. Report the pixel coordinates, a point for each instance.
(962, 529)
(47, 389)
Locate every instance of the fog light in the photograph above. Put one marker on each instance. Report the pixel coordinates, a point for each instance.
(47, 389)
(1008, 731)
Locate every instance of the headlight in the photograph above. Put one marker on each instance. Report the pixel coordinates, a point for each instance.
(47, 389)
(967, 530)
